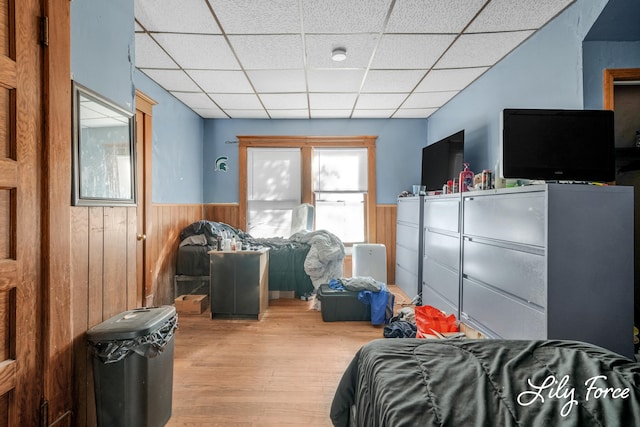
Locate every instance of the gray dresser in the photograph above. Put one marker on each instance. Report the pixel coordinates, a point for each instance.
(409, 244)
(441, 261)
(538, 262)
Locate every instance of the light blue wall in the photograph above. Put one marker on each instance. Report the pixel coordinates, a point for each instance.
(398, 150)
(102, 48)
(601, 55)
(102, 58)
(178, 135)
(544, 72)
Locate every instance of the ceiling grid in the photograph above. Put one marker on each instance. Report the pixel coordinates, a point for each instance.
(272, 59)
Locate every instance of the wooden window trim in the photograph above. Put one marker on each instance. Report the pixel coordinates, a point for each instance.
(306, 144)
(612, 75)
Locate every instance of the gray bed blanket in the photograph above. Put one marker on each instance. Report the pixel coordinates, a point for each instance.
(417, 382)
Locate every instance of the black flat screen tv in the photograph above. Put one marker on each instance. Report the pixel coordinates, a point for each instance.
(558, 145)
(443, 160)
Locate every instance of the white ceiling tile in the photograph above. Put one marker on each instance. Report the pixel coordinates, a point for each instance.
(330, 114)
(432, 16)
(247, 114)
(328, 101)
(171, 80)
(335, 80)
(150, 55)
(211, 113)
(289, 114)
(414, 113)
(449, 79)
(513, 15)
(221, 81)
(279, 51)
(373, 101)
(339, 16)
(284, 101)
(258, 17)
(359, 48)
(479, 50)
(372, 114)
(280, 81)
(392, 80)
(428, 99)
(195, 100)
(403, 51)
(199, 51)
(235, 101)
(176, 16)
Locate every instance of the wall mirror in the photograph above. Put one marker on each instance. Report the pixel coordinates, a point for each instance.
(103, 151)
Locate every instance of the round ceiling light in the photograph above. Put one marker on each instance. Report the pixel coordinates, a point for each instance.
(339, 54)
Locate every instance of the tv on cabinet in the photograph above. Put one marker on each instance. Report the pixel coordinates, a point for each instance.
(558, 145)
(443, 160)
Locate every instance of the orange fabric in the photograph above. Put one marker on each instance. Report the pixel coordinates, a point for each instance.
(429, 319)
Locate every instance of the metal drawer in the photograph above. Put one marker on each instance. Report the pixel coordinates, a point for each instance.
(408, 210)
(407, 259)
(518, 218)
(507, 317)
(408, 236)
(407, 281)
(442, 214)
(443, 280)
(514, 271)
(434, 299)
(444, 248)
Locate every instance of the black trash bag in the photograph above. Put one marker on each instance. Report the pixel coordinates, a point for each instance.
(150, 345)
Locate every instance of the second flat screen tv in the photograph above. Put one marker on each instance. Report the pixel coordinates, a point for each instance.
(443, 160)
(558, 145)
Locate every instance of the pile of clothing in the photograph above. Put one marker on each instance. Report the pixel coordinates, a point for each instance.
(370, 292)
(402, 325)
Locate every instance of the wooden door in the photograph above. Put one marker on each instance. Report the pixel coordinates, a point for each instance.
(20, 173)
(144, 105)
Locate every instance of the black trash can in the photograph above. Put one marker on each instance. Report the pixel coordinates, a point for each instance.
(133, 367)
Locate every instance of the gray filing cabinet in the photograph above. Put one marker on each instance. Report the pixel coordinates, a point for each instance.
(548, 261)
(239, 283)
(441, 261)
(409, 244)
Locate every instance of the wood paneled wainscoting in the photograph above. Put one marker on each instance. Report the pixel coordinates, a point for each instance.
(103, 274)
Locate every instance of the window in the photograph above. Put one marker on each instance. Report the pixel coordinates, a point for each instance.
(335, 174)
(340, 187)
(273, 190)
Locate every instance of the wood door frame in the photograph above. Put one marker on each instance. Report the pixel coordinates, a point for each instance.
(306, 143)
(612, 75)
(56, 221)
(144, 104)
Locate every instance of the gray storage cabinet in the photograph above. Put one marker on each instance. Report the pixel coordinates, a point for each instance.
(133, 367)
(548, 261)
(239, 283)
(441, 261)
(409, 245)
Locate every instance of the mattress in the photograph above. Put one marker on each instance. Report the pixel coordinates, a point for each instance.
(417, 382)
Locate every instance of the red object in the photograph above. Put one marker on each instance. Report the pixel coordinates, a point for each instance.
(429, 319)
(466, 179)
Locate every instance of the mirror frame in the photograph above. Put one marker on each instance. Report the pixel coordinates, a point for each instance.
(82, 196)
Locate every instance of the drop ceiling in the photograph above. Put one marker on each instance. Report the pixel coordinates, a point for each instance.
(271, 59)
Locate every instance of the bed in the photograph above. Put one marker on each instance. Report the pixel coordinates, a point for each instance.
(300, 263)
(454, 382)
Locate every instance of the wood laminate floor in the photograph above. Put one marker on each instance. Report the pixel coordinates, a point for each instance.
(280, 371)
